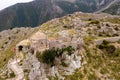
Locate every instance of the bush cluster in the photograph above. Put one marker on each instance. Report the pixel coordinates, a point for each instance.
(110, 49)
(94, 22)
(48, 56)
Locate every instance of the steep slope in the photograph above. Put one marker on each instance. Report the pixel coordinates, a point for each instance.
(113, 9)
(8, 40)
(83, 5)
(39, 11)
(28, 14)
(95, 54)
(107, 6)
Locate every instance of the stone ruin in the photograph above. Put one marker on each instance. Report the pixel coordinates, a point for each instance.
(42, 71)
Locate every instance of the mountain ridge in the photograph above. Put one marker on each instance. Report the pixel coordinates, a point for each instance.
(39, 11)
(95, 51)
(114, 9)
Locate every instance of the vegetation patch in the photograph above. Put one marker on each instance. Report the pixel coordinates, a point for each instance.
(76, 76)
(109, 49)
(103, 71)
(12, 75)
(48, 56)
(94, 22)
(92, 77)
(114, 20)
(53, 78)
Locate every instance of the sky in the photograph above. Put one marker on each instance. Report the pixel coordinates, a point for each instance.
(7, 3)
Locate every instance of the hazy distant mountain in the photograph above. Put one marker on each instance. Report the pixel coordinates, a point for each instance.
(114, 9)
(40, 11)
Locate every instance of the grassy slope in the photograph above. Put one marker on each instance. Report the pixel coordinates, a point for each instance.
(99, 64)
(6, 54)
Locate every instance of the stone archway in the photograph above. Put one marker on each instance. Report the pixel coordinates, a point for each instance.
(20, 48)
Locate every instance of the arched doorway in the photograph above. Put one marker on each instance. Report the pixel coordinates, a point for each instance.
(20, 48)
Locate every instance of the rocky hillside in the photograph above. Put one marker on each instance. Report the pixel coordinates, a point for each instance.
(8, 40)
(39, 11)
(114, 9)
(80, 46)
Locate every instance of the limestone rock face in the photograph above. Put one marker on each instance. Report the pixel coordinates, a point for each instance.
(41, 71)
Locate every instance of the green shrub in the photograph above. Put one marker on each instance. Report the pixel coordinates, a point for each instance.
(116, 28)
(118, 41)
(48, 56)
(12, 75)
(94, 22)
(20, 63)
(100, 34)
(110, 49)
(53, 78)
(88, 39)
(38, 55)
(117, 53)
(105, 42)
(92, 77)
(76, 76)
(103, 71)
(101, 46)
(64, 64)
(69, 49)
(26, 71)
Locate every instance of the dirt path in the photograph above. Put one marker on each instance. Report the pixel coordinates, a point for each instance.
(109, 39)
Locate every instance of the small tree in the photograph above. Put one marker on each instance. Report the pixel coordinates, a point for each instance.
(48, 56)
(105, 42)
(110, 49)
